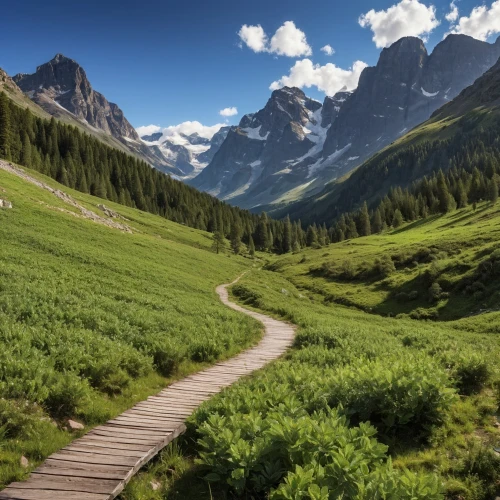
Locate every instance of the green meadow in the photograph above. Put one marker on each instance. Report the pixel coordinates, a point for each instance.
(93, 319)
(382, 396)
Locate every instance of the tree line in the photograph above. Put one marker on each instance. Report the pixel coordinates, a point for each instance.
(82, 162)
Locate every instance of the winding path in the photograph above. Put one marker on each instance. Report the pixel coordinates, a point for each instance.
(100, 464)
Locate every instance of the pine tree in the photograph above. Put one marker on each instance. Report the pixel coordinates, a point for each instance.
(397, 220)
(251, 246)
(287, 235)
(377, 222)
(218, 242)
(443, 193)
(26, 151)
(5, 126)
(235, 237)
(493, 191)
(311, 236)
(364, 221)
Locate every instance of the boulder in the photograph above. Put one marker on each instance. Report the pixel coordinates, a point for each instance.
(75, 426)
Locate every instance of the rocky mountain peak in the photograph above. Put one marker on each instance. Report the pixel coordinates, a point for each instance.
(63, 82)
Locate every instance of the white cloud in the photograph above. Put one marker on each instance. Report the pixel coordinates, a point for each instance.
(328, 50)
(328, 78)
(481, 23)
(186, 128)
(254, 37)
(290, 41)
(228, 111)
(148, 130)
(452, 16)
(407, 18)
(287, 41)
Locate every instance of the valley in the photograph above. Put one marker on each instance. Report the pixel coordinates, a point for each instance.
(284, 292)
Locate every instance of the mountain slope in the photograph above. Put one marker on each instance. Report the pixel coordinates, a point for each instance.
(95, 318)
(271, 151)
(462, 134)
(61, 88)
(303, 153)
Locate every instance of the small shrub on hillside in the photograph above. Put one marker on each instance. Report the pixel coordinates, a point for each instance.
(413, 295)
(435, 292)
(384, 266)
(469, 369)
(404, 397)
(246, 295)
(348, 270)
(67, 391)
(402, 297)
(19, 418)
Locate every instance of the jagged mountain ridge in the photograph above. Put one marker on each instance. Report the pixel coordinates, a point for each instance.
(279, 164)
(189, 154)
(470, 120)
(278, 144)
(61, 88)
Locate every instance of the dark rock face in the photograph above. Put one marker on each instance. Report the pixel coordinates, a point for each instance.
(270, 150)
(64, 81)
(153, 137)
(215, 144)
(402, 91)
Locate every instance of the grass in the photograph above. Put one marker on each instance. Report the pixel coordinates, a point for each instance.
(445, 249)
(93, 319)
(461, 339)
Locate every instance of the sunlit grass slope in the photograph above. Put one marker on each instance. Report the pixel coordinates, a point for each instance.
(397, 272)
(93, 319)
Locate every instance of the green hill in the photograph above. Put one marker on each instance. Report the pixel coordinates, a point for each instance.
(94, 318)
(428, 389)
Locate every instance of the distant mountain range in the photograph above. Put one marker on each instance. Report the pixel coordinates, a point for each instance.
(294, 146)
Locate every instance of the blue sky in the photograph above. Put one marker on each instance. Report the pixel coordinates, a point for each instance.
(167, 62)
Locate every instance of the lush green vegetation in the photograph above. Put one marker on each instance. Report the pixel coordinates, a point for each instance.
(93, 319)
(364, 405)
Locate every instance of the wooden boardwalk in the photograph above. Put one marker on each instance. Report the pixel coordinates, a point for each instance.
(100, 464)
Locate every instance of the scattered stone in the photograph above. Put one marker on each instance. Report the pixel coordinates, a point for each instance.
(155, 485)
(5, 204)
(75, 426)
(284, 291)
(110, 213)
(24, 462)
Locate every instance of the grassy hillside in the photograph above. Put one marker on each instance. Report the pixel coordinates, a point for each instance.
(364, 405)
(395, 272)
(94, 318)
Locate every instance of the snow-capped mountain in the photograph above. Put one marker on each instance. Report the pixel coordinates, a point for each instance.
(293, 146)
(189, 154)
(273, 150)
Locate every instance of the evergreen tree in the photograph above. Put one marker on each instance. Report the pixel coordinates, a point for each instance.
(218, 242)
(5, 130)
(364, 221)
(26, 151)
(311, 236)
(397, 220)
(251, 247)
(377, 222)
(235, 237)
(443, 193)
(287, 235)
(493, 191)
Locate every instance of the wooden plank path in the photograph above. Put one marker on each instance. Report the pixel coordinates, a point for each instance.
(100, 464)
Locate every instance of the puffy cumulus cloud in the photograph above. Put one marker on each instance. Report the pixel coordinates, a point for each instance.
(287, 41)
(254, 37)
(452, 16)
(328, 50)
(186, 128)
(481, 23)
(407, 18)
(290, 41)
(148, 130)
(328, 78)
(228, 111)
